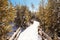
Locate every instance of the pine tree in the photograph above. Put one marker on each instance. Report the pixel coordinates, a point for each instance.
(23, 16)
(6, 16)
(49, 18)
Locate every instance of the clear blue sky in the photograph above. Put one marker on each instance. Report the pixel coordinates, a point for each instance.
(28, 3)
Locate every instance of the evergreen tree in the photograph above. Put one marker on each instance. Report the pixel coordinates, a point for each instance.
(6, 16)
(23, 16)
(49, 18)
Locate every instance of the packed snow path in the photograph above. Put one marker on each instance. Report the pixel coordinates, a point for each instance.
(31, 33)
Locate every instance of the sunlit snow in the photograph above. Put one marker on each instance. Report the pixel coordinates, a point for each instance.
(31, 33)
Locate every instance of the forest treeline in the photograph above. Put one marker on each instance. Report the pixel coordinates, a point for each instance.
(20, 15)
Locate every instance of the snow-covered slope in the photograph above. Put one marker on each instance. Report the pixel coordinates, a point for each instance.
(31, 33)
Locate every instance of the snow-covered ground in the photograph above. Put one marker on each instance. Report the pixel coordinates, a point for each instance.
(31, 33)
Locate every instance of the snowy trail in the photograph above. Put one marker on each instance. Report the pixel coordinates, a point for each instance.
(31, 33)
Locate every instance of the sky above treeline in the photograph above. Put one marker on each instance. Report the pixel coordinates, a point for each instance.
(28, 3)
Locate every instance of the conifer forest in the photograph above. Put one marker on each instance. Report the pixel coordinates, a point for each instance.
(16, 17)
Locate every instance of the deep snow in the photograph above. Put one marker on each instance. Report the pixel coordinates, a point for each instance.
(31, 33)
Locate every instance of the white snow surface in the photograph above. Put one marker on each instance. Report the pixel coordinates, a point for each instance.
(31, 33)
